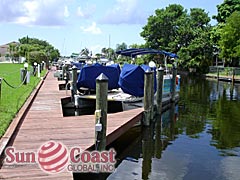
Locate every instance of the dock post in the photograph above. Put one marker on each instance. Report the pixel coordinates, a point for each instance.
(173, 84)
(148, 80)
(159, 89)
(63, 72)
(76, 104)
(39, 70)
(101, 111)
(65, 75)
(152, 95)
(233, 74)
(24, 75)
(0, 88)
(217, 73)
(74, 81)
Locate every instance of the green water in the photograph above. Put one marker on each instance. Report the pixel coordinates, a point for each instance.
(198, 139)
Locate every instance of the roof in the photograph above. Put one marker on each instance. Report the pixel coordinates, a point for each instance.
(4, 49)
(133, 52)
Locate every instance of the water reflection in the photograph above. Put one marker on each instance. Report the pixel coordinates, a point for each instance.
(198, 139)
(222, 89)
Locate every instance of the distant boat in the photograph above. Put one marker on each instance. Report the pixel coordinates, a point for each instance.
(89, 73)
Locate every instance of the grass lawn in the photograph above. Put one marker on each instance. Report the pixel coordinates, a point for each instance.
(12, 99)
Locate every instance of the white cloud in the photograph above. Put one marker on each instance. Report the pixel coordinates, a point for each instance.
(125, 11)
(93, 29)
(66, 12)
(34, 12)
(86, 12)
(10, 9)
(80, 12)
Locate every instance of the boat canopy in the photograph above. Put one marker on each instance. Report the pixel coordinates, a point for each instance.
(89, 73)
(131, 79)
(133, 52)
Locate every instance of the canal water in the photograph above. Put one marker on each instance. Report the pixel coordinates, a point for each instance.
(197, 139)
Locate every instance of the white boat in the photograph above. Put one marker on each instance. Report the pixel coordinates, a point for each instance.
(126, 89)
(125, 85)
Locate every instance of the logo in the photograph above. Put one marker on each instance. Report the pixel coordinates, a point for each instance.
(54, 157)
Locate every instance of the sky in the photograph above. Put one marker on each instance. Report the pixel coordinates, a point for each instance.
(71, 25)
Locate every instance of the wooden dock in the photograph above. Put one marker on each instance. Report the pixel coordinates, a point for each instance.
(224, 78)
(41, 119)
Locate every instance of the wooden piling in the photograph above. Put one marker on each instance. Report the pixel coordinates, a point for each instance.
(101, 111)
(173, 84)
(148, 80)
(152, 95)
(76, 104)
(63, 72)
(23, 75)
(159, 89)
(74, 81)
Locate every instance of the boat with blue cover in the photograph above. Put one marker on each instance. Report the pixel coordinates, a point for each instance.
(125, 85)
(131, 79)
(89, 73)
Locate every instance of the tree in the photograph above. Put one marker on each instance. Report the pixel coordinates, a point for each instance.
(13, 50)
(196, 47)
(111, 54)
(137, 46)
(173, 29)
(104, 51)
(230, 39)
(162, 29)
(29, 47)
(122, 46)
(226, 9)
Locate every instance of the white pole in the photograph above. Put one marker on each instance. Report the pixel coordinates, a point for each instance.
(39, 70)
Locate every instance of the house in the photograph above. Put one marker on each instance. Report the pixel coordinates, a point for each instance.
(6, 51)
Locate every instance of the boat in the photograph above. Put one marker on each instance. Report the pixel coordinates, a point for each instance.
(87, 77)
(125, 85)
(131, 79)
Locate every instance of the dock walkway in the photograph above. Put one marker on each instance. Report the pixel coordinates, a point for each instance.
(223, 78)
(43, 121)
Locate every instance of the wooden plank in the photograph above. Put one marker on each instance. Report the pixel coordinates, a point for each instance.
(44, 121)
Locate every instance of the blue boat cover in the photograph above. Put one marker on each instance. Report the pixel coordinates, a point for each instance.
(131, 79)
(133, 52)
(116, 66)
(88, 75)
